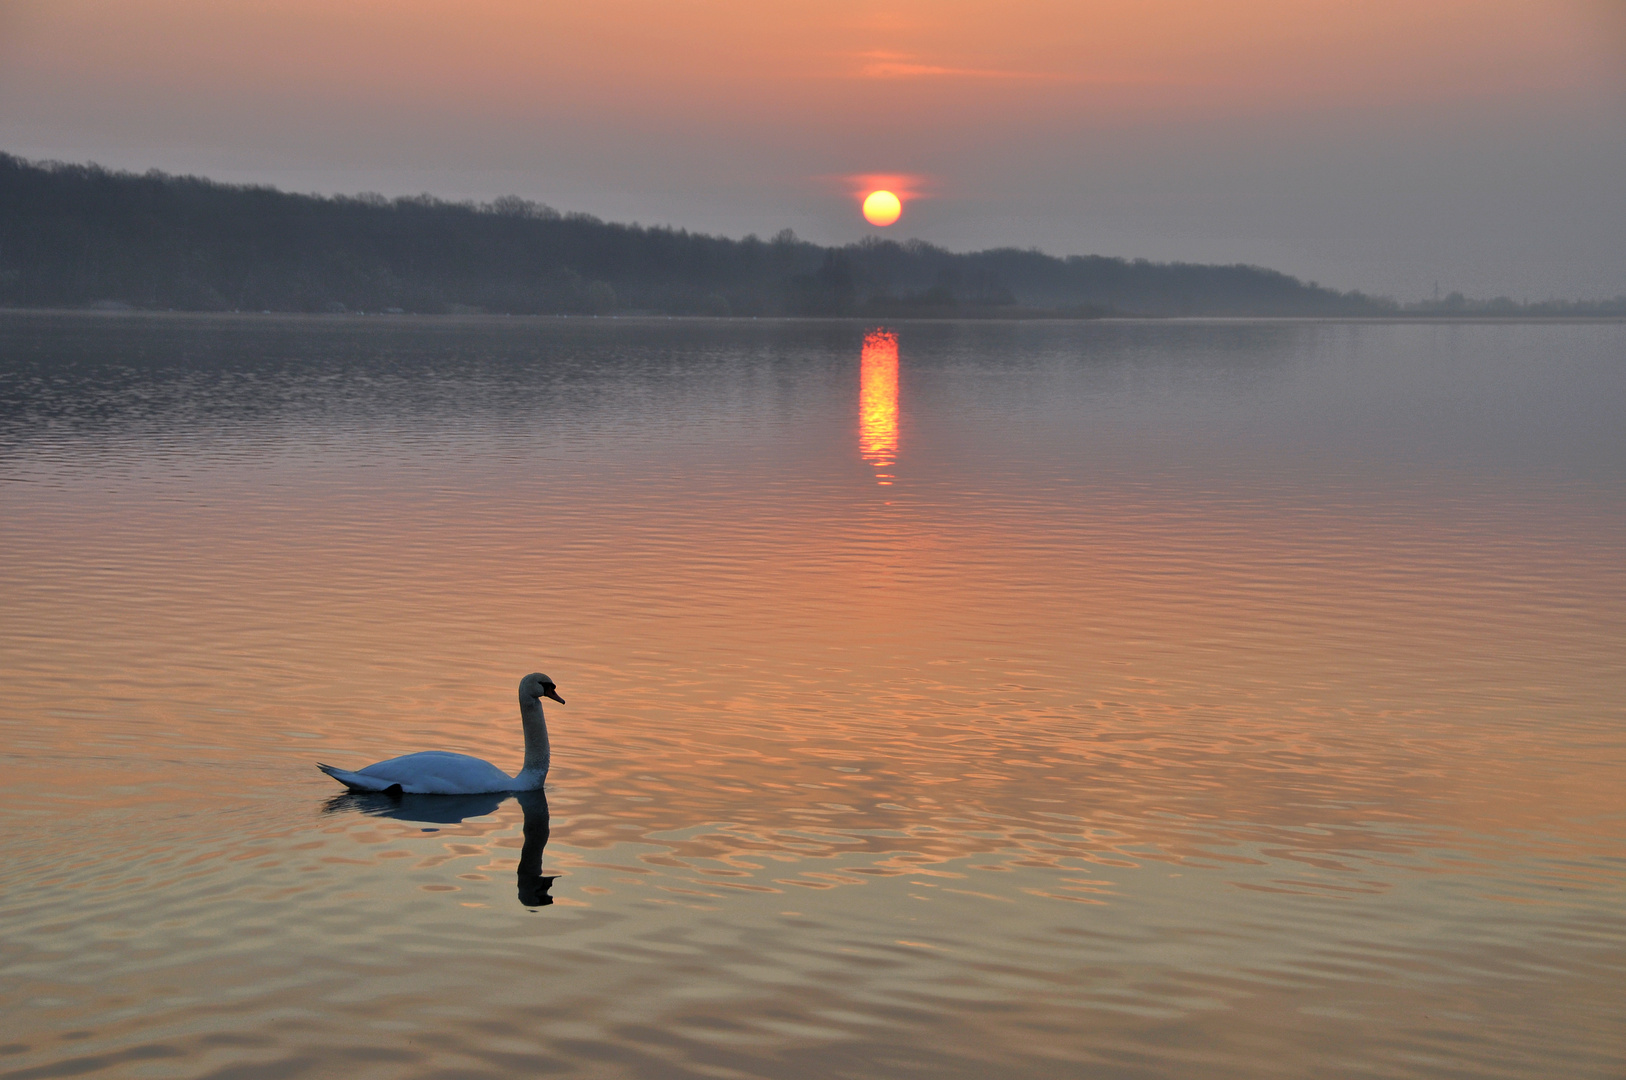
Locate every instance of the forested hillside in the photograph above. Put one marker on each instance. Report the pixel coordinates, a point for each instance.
(77, 235)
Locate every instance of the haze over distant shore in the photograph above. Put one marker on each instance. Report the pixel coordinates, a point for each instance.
(82, 236)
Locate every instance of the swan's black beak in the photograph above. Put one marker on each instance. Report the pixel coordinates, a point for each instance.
(548, 691)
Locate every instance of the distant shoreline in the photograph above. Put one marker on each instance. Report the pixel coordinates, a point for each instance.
(407, 317)
(78, 236)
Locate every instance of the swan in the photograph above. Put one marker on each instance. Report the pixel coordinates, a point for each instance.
(435, 772)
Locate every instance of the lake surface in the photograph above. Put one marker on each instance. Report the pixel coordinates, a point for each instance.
(1118, 699)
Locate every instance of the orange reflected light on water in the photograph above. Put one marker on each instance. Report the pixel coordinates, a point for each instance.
(878, 403)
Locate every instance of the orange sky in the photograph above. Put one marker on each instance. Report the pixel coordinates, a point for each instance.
(1273, 131)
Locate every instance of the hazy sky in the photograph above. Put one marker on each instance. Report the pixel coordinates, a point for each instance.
(1374, 144)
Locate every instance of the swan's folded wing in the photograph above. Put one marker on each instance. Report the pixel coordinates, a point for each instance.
(430, 772)
(356, 781)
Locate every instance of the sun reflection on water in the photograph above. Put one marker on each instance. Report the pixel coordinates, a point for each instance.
(878, 403)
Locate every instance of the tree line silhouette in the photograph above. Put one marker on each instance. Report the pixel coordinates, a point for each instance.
(80, 235)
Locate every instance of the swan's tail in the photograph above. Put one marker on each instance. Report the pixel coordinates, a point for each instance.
(357, 781)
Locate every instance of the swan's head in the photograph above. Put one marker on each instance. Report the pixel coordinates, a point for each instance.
(536, 685)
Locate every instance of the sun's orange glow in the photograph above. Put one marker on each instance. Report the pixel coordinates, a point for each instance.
(905, 187)
(882, 207)
(878, 403)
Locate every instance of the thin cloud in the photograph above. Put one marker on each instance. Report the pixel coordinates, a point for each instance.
(899, 66)
(889, 65)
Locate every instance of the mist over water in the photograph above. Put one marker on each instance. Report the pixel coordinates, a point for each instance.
(1211, 699)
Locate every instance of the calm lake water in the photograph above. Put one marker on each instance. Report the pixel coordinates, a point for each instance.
(1211, 700)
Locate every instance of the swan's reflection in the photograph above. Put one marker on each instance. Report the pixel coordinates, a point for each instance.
(534, 886)
(878, 403)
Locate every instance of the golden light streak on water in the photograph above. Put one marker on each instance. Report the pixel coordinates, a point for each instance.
(878, 403)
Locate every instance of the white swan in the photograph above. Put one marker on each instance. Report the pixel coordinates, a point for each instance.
(435, 772)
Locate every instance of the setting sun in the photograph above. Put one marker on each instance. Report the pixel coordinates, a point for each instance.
(882, 207)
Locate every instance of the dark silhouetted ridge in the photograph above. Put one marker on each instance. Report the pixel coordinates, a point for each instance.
(80, 235)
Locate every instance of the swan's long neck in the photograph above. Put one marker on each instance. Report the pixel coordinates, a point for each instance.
(536, 736)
